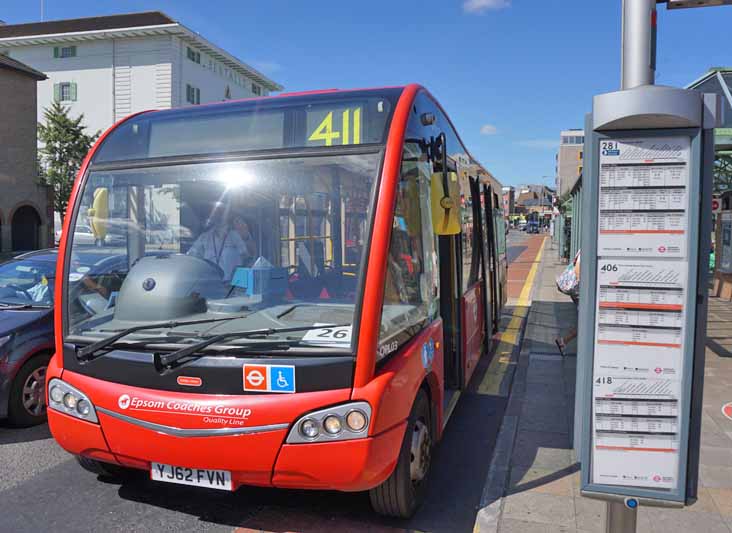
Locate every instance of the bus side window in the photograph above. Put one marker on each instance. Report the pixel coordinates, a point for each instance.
(410, 291)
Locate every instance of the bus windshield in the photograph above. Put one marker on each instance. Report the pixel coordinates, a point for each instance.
(276, 243)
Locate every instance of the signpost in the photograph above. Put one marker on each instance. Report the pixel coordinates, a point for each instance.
(649, 156)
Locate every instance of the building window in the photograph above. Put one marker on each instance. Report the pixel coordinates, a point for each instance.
(193, 55)
(64, 51)
(193, 94)
(256, 89)
(64, 92)
(579, 157)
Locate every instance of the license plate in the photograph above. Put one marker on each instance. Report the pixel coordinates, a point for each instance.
(198, 477)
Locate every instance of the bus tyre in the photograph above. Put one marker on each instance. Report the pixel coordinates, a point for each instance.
(104, 470)
(27, 402)
(402, 493)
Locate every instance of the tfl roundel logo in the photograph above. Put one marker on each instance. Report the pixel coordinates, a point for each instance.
(269, 378)
(124, 401)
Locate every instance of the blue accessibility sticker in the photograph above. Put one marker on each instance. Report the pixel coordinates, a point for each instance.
(282, 378)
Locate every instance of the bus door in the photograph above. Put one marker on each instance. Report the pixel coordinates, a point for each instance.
(472, 330)
(445, 208)
(499, 228)
(483, 252)
(450, 266)
(491, 254)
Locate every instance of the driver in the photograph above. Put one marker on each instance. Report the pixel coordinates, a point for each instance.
(221, 244)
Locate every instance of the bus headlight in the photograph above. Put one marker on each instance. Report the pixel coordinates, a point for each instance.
(347, 421)
(83, 407)
(69, 400)
(56, 394)
(356, 420)
(332, 424)
(309, 428)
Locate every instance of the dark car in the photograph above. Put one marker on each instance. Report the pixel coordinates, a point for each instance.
(26, 321)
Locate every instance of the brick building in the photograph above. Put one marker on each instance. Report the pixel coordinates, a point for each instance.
(26, 206)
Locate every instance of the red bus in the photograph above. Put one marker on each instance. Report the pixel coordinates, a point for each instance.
(309, 281)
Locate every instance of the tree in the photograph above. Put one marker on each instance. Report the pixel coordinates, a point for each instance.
(723, 173)
(64, 146)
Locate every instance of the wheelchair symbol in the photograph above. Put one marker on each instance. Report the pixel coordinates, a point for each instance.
(282, 378)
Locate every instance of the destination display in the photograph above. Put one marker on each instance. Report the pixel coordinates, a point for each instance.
(640, 311)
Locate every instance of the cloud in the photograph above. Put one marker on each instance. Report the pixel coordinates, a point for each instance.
(481, 6)
(267, 67)
(488, 129)
(540, 144)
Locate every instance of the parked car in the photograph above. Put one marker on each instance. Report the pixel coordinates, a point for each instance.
(83, 235)
(26, 322)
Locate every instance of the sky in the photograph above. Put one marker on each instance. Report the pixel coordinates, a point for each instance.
(511, 74)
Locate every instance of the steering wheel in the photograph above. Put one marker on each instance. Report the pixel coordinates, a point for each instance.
(19, 289)
(213, 264)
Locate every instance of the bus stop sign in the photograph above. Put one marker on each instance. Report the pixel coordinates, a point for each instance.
(643, 297)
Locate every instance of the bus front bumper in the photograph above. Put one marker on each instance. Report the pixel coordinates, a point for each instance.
(260, 458)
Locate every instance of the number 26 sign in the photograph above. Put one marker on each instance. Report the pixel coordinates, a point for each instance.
(329, 335)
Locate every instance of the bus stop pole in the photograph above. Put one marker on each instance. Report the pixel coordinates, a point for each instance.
(620, 518)
(638, 68)
(638, 44)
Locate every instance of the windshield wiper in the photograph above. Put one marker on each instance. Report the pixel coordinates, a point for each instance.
(15, 307)
(87, 353)
(166, 360)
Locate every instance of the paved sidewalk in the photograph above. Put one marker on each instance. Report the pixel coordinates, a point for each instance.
(533, 482)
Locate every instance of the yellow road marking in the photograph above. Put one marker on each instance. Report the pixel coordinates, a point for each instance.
(491, 382)
(523, 300)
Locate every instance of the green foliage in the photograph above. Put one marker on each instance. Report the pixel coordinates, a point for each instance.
(723, 173)
(64, 146)
(564, 202)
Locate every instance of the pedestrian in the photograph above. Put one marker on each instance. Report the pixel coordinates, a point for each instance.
(568, 283)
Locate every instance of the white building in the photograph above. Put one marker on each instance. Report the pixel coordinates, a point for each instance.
(109, 67)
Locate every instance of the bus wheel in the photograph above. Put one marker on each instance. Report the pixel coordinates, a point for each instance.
(402, 493)
(104, 470)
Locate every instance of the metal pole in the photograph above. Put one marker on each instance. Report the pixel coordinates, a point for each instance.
(620, 518)
(638, 48)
